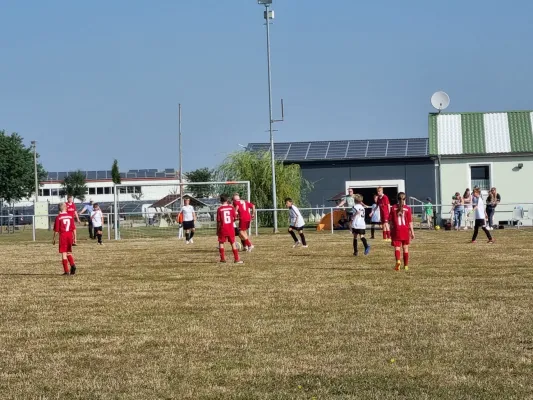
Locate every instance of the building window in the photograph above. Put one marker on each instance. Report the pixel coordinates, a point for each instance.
(138, 189)
(54, 192)
(100, 190)
(107, 190)
(122, 189)
(92, 190)
(480, 176)
(131, 189)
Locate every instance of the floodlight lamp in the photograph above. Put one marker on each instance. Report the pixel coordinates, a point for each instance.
(264, 2)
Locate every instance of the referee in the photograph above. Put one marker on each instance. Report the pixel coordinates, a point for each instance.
(89, 209)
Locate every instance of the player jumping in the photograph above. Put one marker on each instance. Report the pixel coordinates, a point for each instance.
(246, 213)
(65, 227)
(226, 230)
(401, 223)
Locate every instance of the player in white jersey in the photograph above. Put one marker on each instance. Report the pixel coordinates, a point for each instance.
(97, 219)
(296, 223)
(480, 216)
(359, 224)
(189, 218)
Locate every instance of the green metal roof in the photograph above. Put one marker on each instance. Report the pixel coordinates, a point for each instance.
(481, 133)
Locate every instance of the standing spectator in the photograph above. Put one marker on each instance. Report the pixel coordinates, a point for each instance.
(467, 201)
(428, 212)
(492, 202)
(458, 210)
(349, 201)
(89, 209)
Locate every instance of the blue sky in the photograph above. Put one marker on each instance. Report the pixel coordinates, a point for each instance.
(93, 81)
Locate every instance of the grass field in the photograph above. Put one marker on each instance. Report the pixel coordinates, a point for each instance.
(155, 319)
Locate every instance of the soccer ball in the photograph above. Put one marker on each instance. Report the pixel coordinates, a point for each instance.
(437, 228)
(239, 246)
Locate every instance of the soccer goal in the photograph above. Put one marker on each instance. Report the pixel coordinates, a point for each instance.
(151, 209)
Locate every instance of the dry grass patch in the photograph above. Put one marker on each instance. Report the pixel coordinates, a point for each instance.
(158, 319)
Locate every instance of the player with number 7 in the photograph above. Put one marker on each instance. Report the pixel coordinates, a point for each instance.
(64, 226)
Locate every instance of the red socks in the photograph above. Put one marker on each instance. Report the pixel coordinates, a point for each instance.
(222, 255)
(70, 259)
(248, 243)
(388, 235)
(397, 255)
(65, 266)
(405, 258)
(384, 235)
(236, 254)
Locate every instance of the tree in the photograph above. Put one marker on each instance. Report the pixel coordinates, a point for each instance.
(256, 168)
(200, 175)
(17, 175)
(74, 185)
(115, 173)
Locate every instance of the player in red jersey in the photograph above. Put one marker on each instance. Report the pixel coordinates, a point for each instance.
(65, 227)
(245, 213)
(401, 223)
(226, 230)
(384, 211)
(73, 212)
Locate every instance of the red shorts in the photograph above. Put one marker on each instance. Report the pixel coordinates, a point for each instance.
(65, 242)
(400, 243)
(227, 238)
(244, 225)
(384, 218)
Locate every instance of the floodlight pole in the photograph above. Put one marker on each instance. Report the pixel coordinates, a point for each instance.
(271, 120)
(181, 156)
(34, 144)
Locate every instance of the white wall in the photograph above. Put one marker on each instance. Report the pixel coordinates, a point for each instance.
(513, 185)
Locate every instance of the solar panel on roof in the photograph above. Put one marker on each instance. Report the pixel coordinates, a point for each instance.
(396, 148)
(357, 149)
(90, 175)
(52, 176)
(298, 151)
(417, 147)
(317, 151)
(152, 170)
(131, 175)
(280, 150)
(169, 170)
(150, 174)
(337, 150)
(101, 174)
(61, 176)
(376, 148)
(159, 174)
(122, 174)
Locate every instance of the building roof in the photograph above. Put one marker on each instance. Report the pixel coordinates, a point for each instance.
(172, 198)
(346, 149)
(106, 175)
(481, 133)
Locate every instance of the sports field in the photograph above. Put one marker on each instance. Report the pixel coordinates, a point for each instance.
(155, 319)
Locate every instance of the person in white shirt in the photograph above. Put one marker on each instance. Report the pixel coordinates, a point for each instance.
(97, 219)
(375, 217)
(480, 216)
(359, 225)
(189, 218)
(296, 223)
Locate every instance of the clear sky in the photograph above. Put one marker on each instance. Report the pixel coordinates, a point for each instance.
(97, 80)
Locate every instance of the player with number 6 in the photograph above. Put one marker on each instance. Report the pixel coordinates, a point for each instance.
(226, 230)
(64, 226)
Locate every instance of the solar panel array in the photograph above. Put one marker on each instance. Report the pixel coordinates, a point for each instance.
(346, 149)
(104, 175)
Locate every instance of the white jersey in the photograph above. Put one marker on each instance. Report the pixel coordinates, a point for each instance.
(188, 213)
(358, 221)
(97, 218)
(376, 216)
(295, 216)
(480, 210)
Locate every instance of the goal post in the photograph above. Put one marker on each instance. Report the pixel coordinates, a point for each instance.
(150, 209)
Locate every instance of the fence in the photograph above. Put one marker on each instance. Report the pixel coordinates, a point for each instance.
(146, 225)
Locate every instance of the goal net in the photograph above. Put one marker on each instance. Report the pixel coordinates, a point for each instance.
(151, 210)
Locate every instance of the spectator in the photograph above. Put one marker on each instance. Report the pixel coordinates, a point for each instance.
(467, 201)
(428, 213)
(458, 210)
(492, 202)
(350, 203)
(89, 209)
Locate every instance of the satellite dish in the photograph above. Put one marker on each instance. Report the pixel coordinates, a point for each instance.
(440, 100)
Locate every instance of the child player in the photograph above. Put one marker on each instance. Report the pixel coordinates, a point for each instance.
(480, 216)
(296, 223)
(401, 223)
(226, 230)
(359, 225)
(64, 226)
(73, 212)
(188, 220)
(97, 219)
(245, 212)
(384, 211)
(375, 217)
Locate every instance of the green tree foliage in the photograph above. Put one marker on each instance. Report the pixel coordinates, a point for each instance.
(115, 173)
(200, 175)
(17, 175)
(74, 185)
(256, 168)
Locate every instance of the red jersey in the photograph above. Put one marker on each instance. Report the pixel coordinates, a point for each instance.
(225, 220)
(383, 204)
(71, 209)
(399, 224)
(243, 209)
(64, 224)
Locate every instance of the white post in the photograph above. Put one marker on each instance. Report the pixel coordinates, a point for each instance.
(108, 226)
(33, 224)
(331, 218)
(115, 211)
(256, 223)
